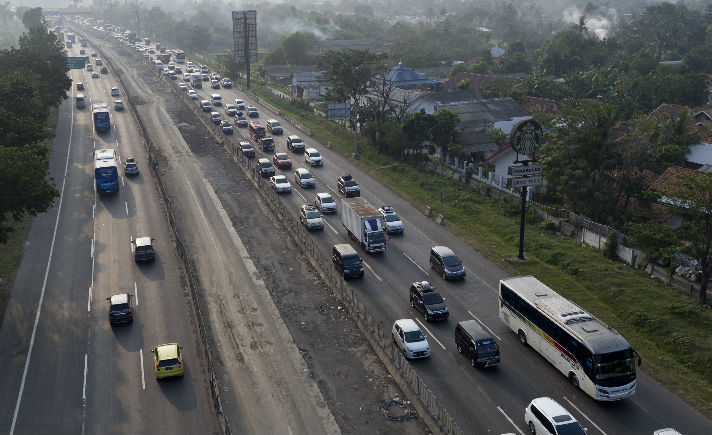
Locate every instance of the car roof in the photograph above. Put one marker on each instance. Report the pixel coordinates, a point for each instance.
(444, 251)
(280, 177)
(294, 136)
(167, 351)
(408, 325)
(311, 150)
(551, 408)
(264, 160)
(324, 195)
(143, 241)
(122, 298)
(474, 329)
(303, 171)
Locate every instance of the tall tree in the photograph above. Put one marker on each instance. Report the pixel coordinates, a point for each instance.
(444, 132)
(33, 18)
(578, 158)
(23, 113)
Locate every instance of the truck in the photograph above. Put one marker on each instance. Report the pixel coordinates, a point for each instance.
(83, 42)
(363, 223)
(164, 58)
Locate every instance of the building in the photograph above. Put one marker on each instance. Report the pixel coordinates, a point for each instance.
(403, 77)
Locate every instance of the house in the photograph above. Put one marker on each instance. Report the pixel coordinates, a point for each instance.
(497, 51)
(309, 85)
(403, 77)
(431, 102)
(533, 105)
(282, 74)
(670, 183)
(476, 80)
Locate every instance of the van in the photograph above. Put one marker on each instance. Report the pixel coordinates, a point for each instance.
(446, 263)
(544, 416)
(217, 99)
(476, 343)
(205, 105)
(80, 101)
(347, 261)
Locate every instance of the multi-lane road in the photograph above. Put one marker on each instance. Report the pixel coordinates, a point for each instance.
(67, 370)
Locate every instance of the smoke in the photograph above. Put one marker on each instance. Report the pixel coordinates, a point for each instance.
(599, 23)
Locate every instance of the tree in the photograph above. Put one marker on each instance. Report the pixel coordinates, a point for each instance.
(24, 185)
(23, 113)
(298, 47)
(417, 128)
(695, 195)
(578, 158)
(33, 18)
(464, 84)
(444, 131)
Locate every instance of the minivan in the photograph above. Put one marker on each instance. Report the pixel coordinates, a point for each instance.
(80, 101)
(347, 261)
(217, 99)
(446, 263)
(544, 416)
(475, 343)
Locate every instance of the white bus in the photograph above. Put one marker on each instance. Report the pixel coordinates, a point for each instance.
(594, 357)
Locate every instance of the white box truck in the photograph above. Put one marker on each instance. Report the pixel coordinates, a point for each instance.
(363, 223)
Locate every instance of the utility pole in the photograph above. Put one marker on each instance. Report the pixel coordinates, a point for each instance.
(356, 153)
(247, 52)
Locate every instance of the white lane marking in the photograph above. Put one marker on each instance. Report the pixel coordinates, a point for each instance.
(89, 301)
(482, 280)
(117, 143)
(93, 210)
(430, 333)
(143, 378)
(126, 204)
(416, 264)
(374, 273)
(332, 228)
(122, 182)
(335, 192)
(94, 144)
(114, 125)
(483, 325)
(510, 420)
(92, 248)
(585, 416)
(298, 193)
(84, 388)
(136, 292)
(119, 159)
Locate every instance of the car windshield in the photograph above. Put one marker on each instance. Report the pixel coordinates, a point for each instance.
(350, 183)
(266, 165)
(305, 176)
(486, 346)
(281, 180)
(275, 124)
(168, 363)
(313, 215)
(615, 364)
(315, 155)
(392, 217)
(144, 249)
(432, 298)
(119, 307)
(414, 336)
(452, 261)
(282, 156)
(352, 261)
(327, 200)
(246, 147)
(295, 140)
(573, 428)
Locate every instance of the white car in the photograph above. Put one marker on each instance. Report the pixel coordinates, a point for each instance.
(240, 104)
(544, 416)
(393, 222)
(182, 86)
(410, 339)
(310, 217)
(325, 203)
(312, 156)
(280, 183)
(193, 95)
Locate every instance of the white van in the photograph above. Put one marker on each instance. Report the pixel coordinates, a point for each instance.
(545, 416)
(217, 99)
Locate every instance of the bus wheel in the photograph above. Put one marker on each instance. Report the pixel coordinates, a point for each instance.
(574, 380)
(522, 336)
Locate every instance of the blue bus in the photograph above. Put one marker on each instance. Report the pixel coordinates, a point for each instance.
(106, 173)
(100, 114)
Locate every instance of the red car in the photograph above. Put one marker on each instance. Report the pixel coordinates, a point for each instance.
(282, 161)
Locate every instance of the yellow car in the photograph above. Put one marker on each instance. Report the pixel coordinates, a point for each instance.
(167, 360)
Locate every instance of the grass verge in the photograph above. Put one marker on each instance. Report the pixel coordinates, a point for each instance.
(11, 252)
(669, 329)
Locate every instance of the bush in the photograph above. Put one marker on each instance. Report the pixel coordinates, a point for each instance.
(611, 246)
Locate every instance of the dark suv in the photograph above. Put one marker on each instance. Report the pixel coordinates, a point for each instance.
(348, 186)
(424, 298)
(120, 309)
(264, 167)
(446, 263)
(295, 144)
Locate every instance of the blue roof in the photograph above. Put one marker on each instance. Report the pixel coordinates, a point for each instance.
(403, 77)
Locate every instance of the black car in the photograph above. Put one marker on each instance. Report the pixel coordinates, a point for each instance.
(348, 186)
(120, 308)
(424, 298)
(104, 70)
(475, 343)
(448, 265)
(267, 144)
(142, 248)
(265, 167)
(295, 144)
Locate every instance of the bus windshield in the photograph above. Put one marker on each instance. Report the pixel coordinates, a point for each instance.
(615, 364)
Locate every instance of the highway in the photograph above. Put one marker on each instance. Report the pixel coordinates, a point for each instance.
(482, 401)
(66, 370)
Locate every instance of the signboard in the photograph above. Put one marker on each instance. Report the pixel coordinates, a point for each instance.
(76, 62)
(526, 137)
(244, 31)
(521, 171)
(525, 181)
(338, 111)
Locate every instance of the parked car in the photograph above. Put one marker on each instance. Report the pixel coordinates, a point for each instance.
(310, 217)
(426, 300)
(120, 310)
(280, 184)
(325, 203)
(408, 337)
